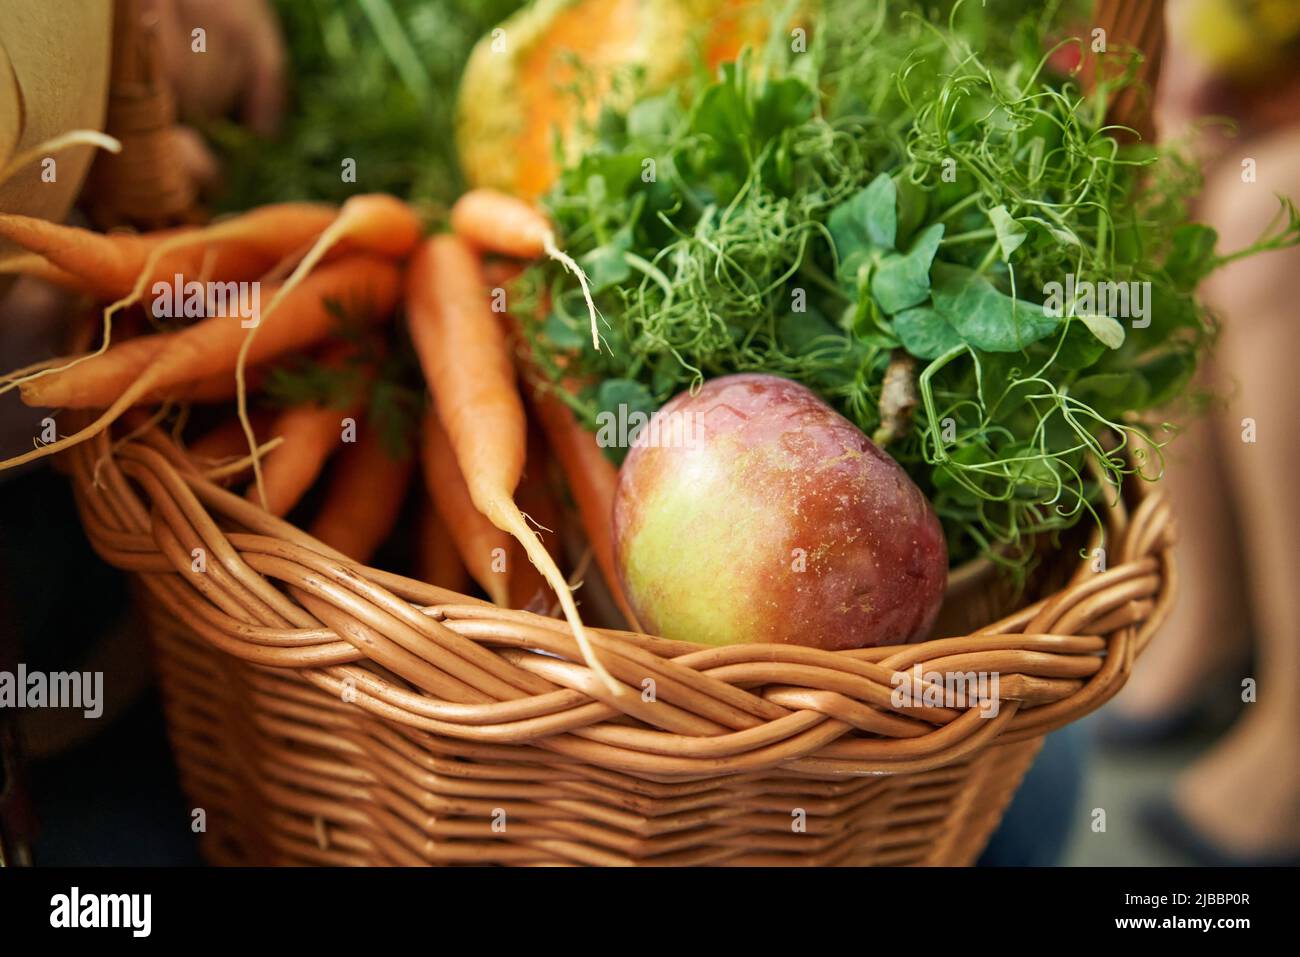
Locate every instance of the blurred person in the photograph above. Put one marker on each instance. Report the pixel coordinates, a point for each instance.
(1230, 476)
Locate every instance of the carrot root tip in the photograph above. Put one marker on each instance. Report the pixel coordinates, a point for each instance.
(571, 266)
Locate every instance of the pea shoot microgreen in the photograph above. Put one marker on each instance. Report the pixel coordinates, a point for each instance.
(895, 188)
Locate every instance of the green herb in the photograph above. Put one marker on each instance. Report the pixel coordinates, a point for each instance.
(896, 186)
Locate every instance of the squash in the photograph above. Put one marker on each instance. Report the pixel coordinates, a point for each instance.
(519, 87)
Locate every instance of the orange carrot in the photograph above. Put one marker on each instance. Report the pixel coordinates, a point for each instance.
(371, 222)
(222, 453)
(210, 346)
(311, 434)
(484, 549)
(110, 265)
(213, 388)
(38, 267)
(466, 360)
(216, 344)
(491, 220)
(225, 440)
(590, 475)
(528, 589)
(437, 561)
(368, 223)
(365, 496)
(100, 379)
(592, 480)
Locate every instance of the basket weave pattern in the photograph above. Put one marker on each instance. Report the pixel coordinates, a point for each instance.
(324, 712)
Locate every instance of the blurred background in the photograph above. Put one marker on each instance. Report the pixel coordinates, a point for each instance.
(1196, 762)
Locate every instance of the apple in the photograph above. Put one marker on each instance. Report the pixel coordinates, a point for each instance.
(752, 511)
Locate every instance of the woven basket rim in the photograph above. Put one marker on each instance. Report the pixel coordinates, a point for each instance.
(435, 663)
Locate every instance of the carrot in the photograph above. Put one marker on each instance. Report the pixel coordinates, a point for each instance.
(491, 219)
(213, 388)
(38, 267)
(437, 561)
(372, 222)
(311, 434)
(590, 475)
(480, 543)
(111, 265)
(369, 223)
(528, 589)
(214, 345)
(365, 496)
(222, 453)
(466, 360)
(496, 221)
(100, 379)
(225, 440)
(592, 480)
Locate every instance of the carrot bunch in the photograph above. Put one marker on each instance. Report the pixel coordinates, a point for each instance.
(486, 471)
(378, 230)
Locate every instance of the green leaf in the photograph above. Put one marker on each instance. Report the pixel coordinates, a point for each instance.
(913, 202)
(866, 221)
(944, 475)
(651, 117)
(782, 104)
(1107, 330)
(903, 279)
(613, 393)
(925, 333)
(803, 332)
(1032, 469)
(1169, 310)
(982, 315)
(720, 114)
(737, 117)
(1059, 233)
(606, 176)
(1010, 233)
(1113, 390)
(620, 398)
(561, 334)
(605, 265)
(1166, 375)
(1080, 349)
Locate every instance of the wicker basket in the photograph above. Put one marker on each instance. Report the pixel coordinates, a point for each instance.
(326, 713)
